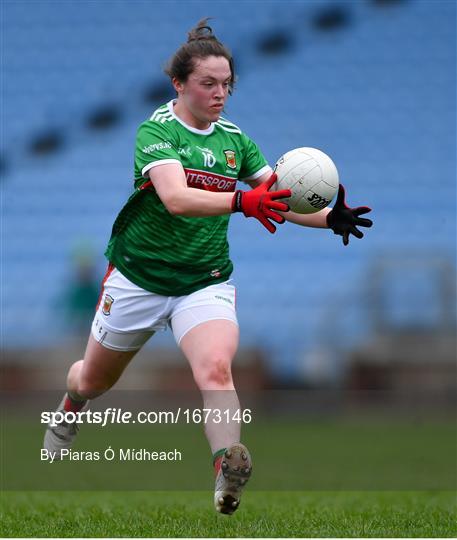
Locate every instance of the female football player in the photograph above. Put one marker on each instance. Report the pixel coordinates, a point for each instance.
(168, 253)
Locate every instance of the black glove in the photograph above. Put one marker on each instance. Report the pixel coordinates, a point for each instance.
(343, 220)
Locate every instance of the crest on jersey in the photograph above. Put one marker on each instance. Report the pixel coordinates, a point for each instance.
(107, 303)
(230, 158)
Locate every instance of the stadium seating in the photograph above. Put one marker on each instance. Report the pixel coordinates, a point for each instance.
(376, 94)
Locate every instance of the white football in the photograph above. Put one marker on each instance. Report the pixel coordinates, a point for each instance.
(311, 176)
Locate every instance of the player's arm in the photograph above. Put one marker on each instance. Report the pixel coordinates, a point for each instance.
(169, 181)
(342, 219)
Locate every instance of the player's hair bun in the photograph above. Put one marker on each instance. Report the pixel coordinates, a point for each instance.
(201, 43)
(201, 31)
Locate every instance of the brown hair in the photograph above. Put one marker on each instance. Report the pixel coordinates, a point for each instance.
(201, 43)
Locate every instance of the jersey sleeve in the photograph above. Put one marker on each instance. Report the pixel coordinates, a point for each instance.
(254, 163)
(154, 146)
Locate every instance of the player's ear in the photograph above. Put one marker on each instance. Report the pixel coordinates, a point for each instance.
(177, 85)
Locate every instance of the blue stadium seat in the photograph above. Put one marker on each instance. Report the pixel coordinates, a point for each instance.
(376, 95)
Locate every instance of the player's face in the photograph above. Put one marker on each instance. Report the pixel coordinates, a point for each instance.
(205, 92)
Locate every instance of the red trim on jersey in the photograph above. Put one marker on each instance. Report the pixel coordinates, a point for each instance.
(146, 185)
(105, 277)
(208, 181)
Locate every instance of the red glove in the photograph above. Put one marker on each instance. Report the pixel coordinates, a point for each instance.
(260, 203)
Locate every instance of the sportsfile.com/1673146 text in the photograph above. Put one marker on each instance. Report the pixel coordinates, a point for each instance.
(118, 416)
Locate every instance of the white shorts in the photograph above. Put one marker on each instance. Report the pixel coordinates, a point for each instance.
(127, 315)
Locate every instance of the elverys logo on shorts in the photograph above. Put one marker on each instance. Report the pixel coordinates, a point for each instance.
(223, 298)
(215, 273)
(107, 303)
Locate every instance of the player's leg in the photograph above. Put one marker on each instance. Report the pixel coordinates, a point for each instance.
(87, 379)
(210, 348)
(206, 328)
(123, 322)
(98, 371)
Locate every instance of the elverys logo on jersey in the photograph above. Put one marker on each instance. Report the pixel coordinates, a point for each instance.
(150, 149)
(230, 158)
(208, 157)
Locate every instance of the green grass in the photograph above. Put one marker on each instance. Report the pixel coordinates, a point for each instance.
(262, 514)
(288, 456)
(336, 478)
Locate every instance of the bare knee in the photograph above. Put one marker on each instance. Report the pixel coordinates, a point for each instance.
(73, 375)
(82, 386)
(99, 371)
(215, 373)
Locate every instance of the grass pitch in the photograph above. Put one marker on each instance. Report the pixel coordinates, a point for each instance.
(393, 478)
(261, 514)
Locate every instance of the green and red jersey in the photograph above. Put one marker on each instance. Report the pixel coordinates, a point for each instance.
(176, 255)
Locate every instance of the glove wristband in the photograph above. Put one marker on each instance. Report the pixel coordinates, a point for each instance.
(236, 201)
